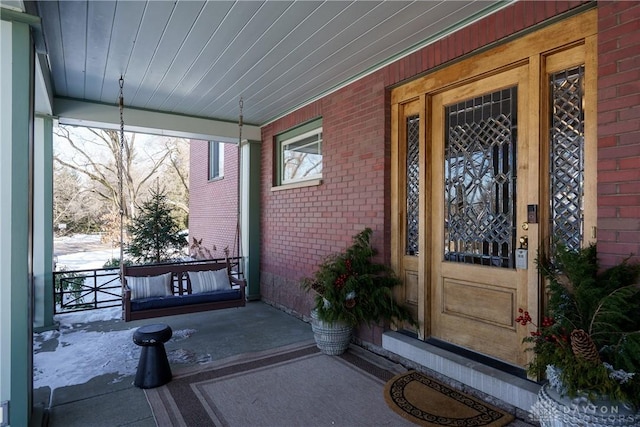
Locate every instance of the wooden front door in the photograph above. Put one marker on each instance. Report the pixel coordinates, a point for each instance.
(478, 215)
(490, 150)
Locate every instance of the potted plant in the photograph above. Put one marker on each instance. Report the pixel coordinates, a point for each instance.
(588, 342)
(350, 289)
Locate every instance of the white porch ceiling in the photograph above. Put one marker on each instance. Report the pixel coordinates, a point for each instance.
(197, 58)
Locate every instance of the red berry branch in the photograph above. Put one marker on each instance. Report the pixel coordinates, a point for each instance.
(547, 322)
(342, 279)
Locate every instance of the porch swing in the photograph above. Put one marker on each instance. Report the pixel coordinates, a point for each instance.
(156, 290)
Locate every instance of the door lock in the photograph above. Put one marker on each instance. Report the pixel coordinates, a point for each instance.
(524, 242)
(522, 259)
(525, 226)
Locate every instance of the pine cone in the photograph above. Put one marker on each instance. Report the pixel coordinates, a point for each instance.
(583, 346)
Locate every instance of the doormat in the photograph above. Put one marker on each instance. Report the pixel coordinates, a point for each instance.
(427, 402)
(294, 386)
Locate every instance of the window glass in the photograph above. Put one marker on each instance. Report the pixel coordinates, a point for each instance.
(299, 154)
(216, 160)
(302, 157)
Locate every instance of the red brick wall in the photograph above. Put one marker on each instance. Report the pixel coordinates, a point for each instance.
(301, 226)
(618, 131)
(213, 204)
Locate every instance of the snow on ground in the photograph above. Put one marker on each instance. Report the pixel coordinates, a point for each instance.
(68, 319)
(79, 238)
(79, 354)
(86, 260)
(82, 251)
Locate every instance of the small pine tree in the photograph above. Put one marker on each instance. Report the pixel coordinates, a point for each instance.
(155, 235)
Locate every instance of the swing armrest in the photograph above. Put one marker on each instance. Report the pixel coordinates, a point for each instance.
(239, 283)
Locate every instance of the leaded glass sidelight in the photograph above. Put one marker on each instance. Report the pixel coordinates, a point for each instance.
(480, 180)
(413, 189)
(567, 156)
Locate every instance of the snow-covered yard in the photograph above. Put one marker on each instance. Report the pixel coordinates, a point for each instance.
(82, 251)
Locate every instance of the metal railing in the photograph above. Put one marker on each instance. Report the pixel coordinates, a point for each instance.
(92, 289)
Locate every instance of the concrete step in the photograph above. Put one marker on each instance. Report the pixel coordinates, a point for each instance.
(518, 392)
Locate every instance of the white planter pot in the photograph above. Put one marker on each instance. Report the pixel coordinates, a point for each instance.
(331, 338)
(554, 410)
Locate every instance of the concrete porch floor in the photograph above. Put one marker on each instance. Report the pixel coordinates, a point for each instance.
(113, 400)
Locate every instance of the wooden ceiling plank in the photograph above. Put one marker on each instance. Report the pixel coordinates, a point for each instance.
(290, 64)
(289, 40)
(73, 22)
(187, 71)
(362, 54)
(267, 28)
(128, 18)
(298, 74)
(51, 26)
(100, 23)
(180, 31)
(396, 34)
(152, 29)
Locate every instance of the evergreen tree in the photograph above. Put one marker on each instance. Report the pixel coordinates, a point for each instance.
(155, 234)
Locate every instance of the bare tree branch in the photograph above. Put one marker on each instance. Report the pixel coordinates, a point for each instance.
(83, 152)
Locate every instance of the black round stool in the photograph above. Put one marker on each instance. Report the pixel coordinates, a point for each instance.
(153, 367)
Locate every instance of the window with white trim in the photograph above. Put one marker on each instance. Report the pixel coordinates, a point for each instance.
(300, 154)
(216, 160)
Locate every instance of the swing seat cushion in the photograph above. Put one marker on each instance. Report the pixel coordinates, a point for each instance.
(183, 300)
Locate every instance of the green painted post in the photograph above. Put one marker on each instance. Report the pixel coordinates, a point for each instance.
(43, 224)
(16, 67)
(251, 217)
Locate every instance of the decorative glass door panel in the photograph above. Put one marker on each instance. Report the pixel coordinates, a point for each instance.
(566, 159)
(480, 179)
(413, 185)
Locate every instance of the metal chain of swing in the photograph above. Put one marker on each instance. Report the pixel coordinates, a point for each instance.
(121, 172)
